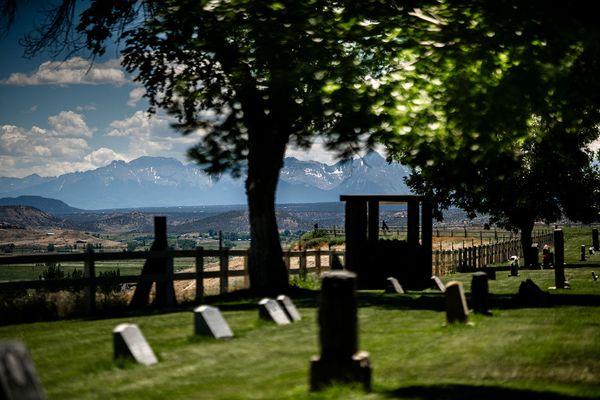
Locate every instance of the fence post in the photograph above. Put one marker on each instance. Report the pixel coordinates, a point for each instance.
(302, 272)
(224, 269)
(318, 262)
(288, 259)
(246, 270)
(437, 262)
(170, 287)
(330, 258)
(199, 274)
(89, 272)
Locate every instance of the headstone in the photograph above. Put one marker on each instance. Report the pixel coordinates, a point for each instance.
(270, 310)
(531, 294)
(595, 239)
(289, 308)
(559, 259)
(340, 360)
(480, 293)
(583, 257)
(336, 264)
(393, 286)
(456, 303)
(209, 321)
(18, 376)
(438, 284)
(592, 251)
(129, 342)
(594, 276)
(535, 255)
(491, 273)
(514, 266)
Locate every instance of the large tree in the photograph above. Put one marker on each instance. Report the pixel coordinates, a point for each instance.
(256, 77)
(505, 103)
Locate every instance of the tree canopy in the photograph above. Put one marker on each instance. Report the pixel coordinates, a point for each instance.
(503, 106)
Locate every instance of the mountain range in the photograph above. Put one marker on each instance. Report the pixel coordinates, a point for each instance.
(162, 182)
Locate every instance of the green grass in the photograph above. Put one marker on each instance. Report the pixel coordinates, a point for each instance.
(534, 352)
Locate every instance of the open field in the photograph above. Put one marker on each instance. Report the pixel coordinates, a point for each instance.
(547, 353)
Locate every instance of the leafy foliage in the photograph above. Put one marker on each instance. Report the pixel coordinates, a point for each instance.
(502, 108)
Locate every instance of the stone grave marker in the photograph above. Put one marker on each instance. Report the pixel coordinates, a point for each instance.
(336, 264)
(514, 266)
(340, 360)
(480, 293)
(289, 308)
(594, 276)
(129, 342)
(595, 239)
(18, 376)
(209, 321)
(456, 303)
(393, 286)
(583, 255)
(559, 260)
(270, 310)
(438, 284)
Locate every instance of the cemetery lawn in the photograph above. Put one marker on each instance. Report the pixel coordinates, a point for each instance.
(550, 352)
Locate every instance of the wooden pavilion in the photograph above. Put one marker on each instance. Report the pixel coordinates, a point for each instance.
(374, 259)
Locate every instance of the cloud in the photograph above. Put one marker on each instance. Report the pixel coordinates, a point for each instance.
(69, 124)
(39, 143)
(73, 71)
(103, 156)
(152, 135)
(87, 107)
(33, 108)
(135, 96)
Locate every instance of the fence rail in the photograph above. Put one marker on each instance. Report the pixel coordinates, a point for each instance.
(309, 261)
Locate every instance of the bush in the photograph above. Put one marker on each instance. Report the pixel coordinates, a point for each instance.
(108, 288)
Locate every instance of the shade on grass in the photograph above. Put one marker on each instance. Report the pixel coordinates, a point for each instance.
(518, 351)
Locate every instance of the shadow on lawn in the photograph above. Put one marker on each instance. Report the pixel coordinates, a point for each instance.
(436, 301)
(470, 392)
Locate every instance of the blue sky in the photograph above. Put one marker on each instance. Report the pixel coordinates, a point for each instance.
(56, 117)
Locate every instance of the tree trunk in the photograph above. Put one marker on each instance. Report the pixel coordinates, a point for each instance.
(268, 273)
(526, 242)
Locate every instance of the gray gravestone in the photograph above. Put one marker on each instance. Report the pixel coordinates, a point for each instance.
(289, 308)
(18, 377)
(559, 259)
(456, 303)
(393, 286)
(514, 266)
(480, 293)
(129, 342)
(209, 321)
(340, 360)
(491, 273)
(583, 257)
(438, 284)
(270, 310)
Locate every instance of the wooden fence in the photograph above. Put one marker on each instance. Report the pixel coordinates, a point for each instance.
(474, 257)
(309, 261)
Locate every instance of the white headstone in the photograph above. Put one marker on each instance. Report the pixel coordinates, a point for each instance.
(18, 377)
(270, 310)
(393, 286)
(438, 284)
(209, 321)
(129, 342)
(289, 308)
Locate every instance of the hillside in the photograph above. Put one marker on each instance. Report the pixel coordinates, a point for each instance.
(51, 206)
(30, 217)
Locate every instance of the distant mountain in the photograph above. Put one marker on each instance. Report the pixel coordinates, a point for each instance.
(51, 206)
(29, 217)
(160, 181)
